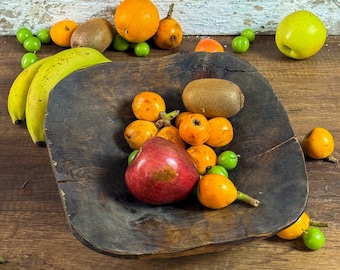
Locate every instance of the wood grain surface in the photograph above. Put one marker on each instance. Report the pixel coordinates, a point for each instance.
(34, 233)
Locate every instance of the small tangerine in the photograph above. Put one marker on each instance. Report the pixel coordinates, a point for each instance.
(209, 45)
(62, 31)
(318, 143)
(169, 33)
(195, 129)
(171, 133)
(148, 105)
(296, 229)
(216, 191)
(138, 131)
(180, 117)
(204, 157)
(222, 132)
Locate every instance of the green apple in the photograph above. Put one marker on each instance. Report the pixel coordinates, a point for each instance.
(300, 34)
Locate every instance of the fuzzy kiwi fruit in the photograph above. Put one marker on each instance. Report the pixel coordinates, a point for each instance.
(96, 33)
(213, 97)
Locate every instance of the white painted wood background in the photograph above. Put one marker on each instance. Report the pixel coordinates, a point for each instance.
(197, 17)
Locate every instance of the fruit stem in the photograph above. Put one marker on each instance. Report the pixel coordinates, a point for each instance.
(247, 199)
(171, 10)
(165, 118)
(19, 122)
(41, 144)
(331, 158)
(318, 223)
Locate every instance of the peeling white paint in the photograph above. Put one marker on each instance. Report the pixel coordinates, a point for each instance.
(198, 17)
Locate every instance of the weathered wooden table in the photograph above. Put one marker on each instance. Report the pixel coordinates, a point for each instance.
(34, 233)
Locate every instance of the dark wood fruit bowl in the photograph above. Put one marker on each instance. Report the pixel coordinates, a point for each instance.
(84, 125)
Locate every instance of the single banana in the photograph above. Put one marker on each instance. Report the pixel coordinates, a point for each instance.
(47, 77)
(17, 96)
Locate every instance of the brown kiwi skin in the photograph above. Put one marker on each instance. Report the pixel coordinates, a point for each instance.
(96, 33)
(213, 97)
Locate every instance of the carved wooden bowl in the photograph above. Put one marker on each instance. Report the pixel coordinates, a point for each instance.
(84, 125)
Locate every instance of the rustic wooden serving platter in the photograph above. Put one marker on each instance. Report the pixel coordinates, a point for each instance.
(84, 125)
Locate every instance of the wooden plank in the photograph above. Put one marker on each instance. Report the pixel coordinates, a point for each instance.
(34, 232)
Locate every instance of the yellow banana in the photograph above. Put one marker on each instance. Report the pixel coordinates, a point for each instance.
(49, 74)
(17, 95)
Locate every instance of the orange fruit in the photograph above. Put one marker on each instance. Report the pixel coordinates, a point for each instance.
(171, 133)
(147, 105)
(296, 229)
(169, 33)
(209, 45)
(195, 129)
(318, 143)
(136, 20)
(203, 156)
(221, 132)
(138, 131)
(61, 32)
(216, 191)
(180, 117)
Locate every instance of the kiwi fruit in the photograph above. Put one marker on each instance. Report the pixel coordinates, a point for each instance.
(213, 97)
(96, 33)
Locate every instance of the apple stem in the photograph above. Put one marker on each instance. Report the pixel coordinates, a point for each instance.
(318, 223)
(331, 158)
(247, 199)
(165, 118)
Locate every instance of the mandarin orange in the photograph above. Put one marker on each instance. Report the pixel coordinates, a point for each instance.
(62, 31)
(209, 45)
(136, 20)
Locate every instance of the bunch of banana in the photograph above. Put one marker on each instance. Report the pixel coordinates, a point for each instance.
(28, 96)
(18, 93)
